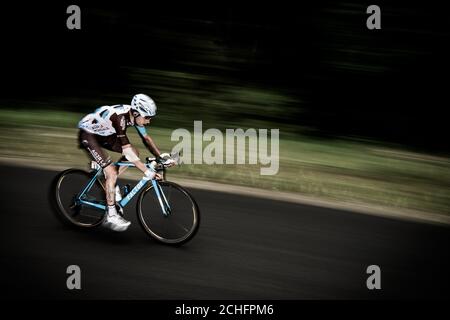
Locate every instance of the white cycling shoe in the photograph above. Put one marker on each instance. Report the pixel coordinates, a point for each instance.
(115, 222)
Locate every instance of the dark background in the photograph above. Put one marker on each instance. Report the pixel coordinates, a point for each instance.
(346, 80)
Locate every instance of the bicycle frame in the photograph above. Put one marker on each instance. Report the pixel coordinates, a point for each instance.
(165, 207)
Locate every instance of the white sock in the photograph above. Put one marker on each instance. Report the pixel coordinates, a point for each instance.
(112, 210)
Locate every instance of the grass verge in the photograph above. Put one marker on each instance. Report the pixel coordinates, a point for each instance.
(340, 169)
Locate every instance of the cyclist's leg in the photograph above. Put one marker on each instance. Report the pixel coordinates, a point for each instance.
(90, 143)
(109, 170)
(111, 179)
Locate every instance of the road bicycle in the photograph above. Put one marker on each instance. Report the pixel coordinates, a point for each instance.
(166, 211)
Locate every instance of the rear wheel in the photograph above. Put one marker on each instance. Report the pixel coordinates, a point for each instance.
(67, 187)
(180, 224)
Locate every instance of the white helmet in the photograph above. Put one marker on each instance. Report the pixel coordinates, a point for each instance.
(144, 105)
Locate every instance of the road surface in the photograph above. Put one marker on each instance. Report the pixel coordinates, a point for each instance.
(247, 248)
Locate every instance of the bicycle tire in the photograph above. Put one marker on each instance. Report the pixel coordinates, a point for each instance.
(149, 226)
(63, 200)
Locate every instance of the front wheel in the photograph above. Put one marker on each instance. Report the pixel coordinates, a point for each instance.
(181, 221)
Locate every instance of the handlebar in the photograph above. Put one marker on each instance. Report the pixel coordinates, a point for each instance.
(157, 166)
(162, 166)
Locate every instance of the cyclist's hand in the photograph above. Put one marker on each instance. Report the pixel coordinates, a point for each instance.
(169, 163)
(158, 176)
(162, 157)
(166, 160)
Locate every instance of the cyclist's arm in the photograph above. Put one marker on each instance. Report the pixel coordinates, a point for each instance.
(148, 141)
(131, 156)
(120, 130)
(118, 124)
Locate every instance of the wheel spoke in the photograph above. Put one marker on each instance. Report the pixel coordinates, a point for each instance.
(181, 227)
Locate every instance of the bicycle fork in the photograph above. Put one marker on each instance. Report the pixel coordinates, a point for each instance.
(161, 198)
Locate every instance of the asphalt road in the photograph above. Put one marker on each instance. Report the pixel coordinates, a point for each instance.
(247, 248)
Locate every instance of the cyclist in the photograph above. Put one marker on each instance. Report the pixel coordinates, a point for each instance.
(106, 128)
